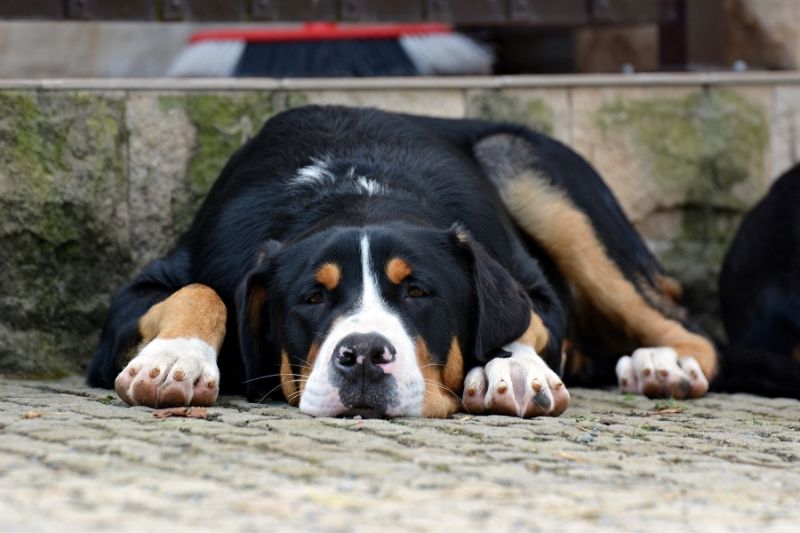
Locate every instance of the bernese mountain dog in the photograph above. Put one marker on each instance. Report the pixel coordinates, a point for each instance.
(759, 290)
(359, 262)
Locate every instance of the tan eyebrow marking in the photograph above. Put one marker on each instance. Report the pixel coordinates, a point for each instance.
(397, 270)
(329, 275)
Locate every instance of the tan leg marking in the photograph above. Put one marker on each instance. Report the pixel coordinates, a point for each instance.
(175, 364)
(669, 288)
(569, 238)
(536, 335)
(442, 384)
(193, 311)
(575, 362)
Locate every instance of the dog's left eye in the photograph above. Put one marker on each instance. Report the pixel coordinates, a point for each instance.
(416, 292)
(315, 297)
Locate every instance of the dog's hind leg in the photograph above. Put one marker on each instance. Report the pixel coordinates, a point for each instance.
(599, 286)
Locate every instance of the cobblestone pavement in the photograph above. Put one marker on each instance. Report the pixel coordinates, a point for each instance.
(74, 458)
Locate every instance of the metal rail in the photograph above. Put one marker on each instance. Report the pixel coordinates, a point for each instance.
(546, 13)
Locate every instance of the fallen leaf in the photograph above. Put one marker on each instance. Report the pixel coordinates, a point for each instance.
(571, 457)
(183, 412)
(670, 411)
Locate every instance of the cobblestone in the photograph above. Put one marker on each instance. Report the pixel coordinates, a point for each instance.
(77, 458)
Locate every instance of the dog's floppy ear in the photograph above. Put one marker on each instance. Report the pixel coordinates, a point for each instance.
(502, 308)
(253, 322)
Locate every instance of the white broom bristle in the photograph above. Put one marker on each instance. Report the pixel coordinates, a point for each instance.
(432, 55)
(212, 59)
(447, 54)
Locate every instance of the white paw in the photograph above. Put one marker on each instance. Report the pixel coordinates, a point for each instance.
(521, 385)
(657, 372)
(171, 373)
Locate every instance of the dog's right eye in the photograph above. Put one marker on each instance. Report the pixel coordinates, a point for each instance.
(416, 292)
(315, 297)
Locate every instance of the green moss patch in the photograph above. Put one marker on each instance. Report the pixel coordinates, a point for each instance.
(63, 238)
(223, 122)
(699, 146)
(496, 105)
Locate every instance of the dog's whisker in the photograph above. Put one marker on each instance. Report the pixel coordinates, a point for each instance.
(293, 381)
(441, 365)
(294, 396)
(445, 388)
(266, 376)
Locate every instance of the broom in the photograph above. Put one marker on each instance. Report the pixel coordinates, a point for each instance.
(329, 50)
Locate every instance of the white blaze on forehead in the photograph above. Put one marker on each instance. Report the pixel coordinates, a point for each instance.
(315, 173)
(371, 187)
(371, 315)
(371, 301)
(318, 174)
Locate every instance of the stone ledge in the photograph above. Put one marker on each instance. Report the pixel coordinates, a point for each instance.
(455, 82)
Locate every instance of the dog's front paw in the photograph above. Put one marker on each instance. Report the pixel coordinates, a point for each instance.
(520, 385)
(659, 373)
(171, 373)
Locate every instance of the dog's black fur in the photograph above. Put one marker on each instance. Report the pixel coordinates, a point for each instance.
(255, 229)
(759, 289)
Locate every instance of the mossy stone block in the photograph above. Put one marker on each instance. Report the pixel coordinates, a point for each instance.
(222, 122)
(531, 111)
(63, 225)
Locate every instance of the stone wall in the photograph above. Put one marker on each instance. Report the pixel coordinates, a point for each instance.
(97, 180)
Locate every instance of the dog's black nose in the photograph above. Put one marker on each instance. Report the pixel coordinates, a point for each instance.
(363, 356)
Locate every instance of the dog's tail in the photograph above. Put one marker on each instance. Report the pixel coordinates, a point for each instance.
(757, 371)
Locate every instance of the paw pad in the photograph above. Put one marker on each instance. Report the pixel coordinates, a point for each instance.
(170, 373)
(659, 373)
(521, 385)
